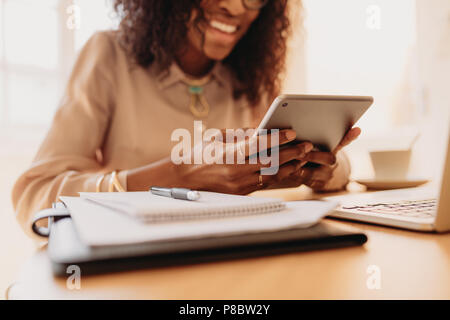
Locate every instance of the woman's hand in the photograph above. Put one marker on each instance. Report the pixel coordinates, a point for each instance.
(334, 170)
(220, 175)
(331, 174)
(244, 178)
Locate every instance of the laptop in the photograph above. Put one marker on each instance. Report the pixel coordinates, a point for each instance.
(422, 209)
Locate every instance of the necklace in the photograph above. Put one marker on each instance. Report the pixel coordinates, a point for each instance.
(198, 105)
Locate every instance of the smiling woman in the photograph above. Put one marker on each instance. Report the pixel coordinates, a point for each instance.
(214, 29)
(171, 63)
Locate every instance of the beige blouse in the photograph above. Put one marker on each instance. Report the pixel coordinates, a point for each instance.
(116, 115)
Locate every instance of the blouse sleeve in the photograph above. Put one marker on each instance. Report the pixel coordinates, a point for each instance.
(67, 161)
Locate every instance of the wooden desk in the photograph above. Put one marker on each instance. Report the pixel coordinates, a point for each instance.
(413, 266)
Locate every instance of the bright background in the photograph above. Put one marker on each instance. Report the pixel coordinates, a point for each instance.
(396, 51)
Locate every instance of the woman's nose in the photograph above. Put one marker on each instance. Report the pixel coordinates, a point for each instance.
(234, 7)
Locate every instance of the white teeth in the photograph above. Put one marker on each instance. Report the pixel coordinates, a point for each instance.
(223, 27)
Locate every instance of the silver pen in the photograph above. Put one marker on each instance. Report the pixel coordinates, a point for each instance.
(176, 193)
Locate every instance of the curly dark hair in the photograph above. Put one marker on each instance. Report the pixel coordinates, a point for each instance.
(152, 30)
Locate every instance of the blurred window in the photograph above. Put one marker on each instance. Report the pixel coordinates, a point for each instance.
(366, 47)
(38, 44)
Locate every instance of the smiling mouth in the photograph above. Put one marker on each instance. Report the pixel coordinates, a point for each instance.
(223, 27)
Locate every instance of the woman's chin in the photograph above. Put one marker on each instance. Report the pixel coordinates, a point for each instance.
(217, 54)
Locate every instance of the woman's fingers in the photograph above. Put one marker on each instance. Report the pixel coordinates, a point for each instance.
(245, 143)
(315, 178)
(259, 143)
(293, 170)
(319, 157)
(316, 174)
(349, 137)
(295, 152)
(259, 181)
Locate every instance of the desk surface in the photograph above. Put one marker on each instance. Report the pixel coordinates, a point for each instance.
(411, 265)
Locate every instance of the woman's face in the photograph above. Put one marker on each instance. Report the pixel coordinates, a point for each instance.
(225, 22)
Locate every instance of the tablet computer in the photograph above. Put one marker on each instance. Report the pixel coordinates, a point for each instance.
(320, 119)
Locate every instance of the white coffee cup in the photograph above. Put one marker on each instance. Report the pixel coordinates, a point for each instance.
(391, 164)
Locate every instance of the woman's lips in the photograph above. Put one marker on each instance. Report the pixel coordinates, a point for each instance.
(224, 27)
(223, 32)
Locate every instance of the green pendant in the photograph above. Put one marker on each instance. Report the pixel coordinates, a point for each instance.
(195, 89)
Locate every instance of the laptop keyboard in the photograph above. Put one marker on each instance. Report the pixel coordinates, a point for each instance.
(412, 208)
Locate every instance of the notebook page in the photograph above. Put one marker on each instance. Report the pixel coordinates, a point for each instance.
(154, 208)
(100, 226)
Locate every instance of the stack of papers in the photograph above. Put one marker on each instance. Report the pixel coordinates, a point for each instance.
(100, 225)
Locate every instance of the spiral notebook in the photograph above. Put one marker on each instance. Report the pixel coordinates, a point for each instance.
(150, 208)
(98, 225)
